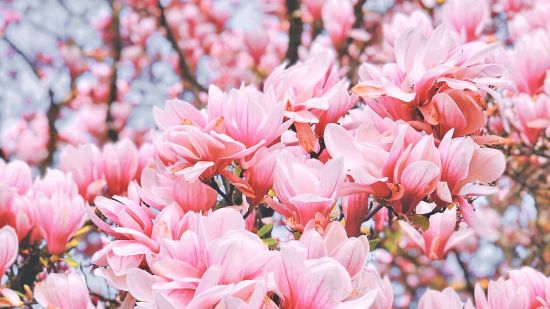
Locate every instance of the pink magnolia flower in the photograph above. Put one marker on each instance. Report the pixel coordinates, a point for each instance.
(466, 17)
(52, 292)
(426, 64)
(177, 112)
(193, 153)
(308, 90)
(307, 189)
(529, 61)
(58, 218)
(440, 237)
(314, 7)
(119, 165)
(10, 247)
(338, 19)
(84, 164)
(352, 252)
(27, 139)
(533, 116)
(525, 288)
(316, 283)
(249, 116)
(371, 279)
(447, 298)
(356, 208)
(466, 168)
(15, 182)
(410, 169)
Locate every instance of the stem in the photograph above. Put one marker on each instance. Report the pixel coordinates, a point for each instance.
(374, 211)
(215, 186)
(112, 134)
(294, 31)
(467, 278)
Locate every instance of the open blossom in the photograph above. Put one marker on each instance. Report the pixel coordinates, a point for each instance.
(525, 288)
(10, 246)
(316, 283)
(187, 150)
(312, 94)
(428, 65)
(307, 189)
(53, 292)
(410, 168)
(441, 235)
(249, 116)
(119, 164)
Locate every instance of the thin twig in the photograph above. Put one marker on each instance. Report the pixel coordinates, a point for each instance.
(185, 71)
(374, 211)
(117, 49)
(463, 266)
(294, 31)
(215, 186)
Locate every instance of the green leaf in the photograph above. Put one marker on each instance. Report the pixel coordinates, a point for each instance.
(264, 230)
(373, 243)
(270, 242)
(71, 262)
(421, 221)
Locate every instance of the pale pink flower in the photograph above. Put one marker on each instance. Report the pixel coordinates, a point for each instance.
(27, 139)
(249, 116)
(533, 116)
(314, 7)
(466, 168)
(447, 298)
(525, 288)
(84, 164)
(529, 61)
(338, 19)
(177, 112)
(119, 165)
(307, 189)
(352, 252)
(63, 291)
(410, 168)
(371, 279)
(316, 283)
(440, 237)
(193, 153)
(9, 250)
(466, 17)
(58, 218)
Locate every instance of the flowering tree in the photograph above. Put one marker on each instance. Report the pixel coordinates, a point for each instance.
(275, 154)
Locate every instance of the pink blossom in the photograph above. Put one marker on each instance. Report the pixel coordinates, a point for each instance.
(10, 247)
(466, 17)
(307, 189)
(52, 292)
(440, 237)
(316, 283)
(119, 164)
(533, 116)
(84, 164)
(58, 218)
(432, 299)
(338, 19)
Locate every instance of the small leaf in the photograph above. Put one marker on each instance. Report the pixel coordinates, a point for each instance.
(71, 262)
(373, 243)
(270, 242)
(264, 230)
(420, 220)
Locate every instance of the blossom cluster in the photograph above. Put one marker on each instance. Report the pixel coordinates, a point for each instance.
(346, 155)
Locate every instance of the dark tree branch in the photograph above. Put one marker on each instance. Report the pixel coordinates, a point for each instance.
(294, 31)
(374, 211)
(466, 272)
(185, 71)
(18, 51)
(117, 49)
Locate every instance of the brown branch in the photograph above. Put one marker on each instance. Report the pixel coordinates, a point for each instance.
(469, 284)
(117, 48)
(294, 31)
(185, 71)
